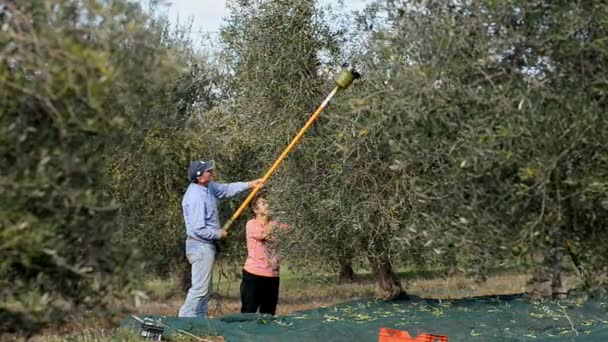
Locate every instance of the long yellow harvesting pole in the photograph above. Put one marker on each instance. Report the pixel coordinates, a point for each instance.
(344, 79)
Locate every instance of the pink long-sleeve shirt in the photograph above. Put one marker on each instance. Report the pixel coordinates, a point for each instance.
(261, 258)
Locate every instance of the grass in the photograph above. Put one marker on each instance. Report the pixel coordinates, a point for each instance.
(296, 289)
(94, 335)
(160, 289)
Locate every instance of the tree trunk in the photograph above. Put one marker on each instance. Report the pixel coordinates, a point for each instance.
(347, 274)
(387, 281)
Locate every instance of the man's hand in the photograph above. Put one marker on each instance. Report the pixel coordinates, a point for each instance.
(223, 234)
(255, 183)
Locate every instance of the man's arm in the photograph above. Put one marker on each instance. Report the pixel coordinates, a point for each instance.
(194, 215)
(223, 191)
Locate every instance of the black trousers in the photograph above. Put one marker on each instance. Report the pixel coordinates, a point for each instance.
(259, 292)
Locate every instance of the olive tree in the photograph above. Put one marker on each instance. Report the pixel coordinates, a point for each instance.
(75, 77)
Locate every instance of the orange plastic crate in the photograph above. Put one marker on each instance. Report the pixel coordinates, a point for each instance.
(391, 335)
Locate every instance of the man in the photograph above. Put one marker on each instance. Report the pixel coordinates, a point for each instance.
(203, 230)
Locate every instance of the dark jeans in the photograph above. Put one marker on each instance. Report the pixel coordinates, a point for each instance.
(259, 292)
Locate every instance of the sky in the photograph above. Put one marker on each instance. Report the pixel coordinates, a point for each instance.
(207, 14)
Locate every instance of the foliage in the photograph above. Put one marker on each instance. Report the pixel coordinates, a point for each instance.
(72, 75)
(494, 113)
(274, 49)
(474, 139)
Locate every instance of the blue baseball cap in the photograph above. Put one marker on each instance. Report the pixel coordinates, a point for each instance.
(197, 168)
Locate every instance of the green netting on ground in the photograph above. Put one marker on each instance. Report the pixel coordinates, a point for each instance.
(497, 318)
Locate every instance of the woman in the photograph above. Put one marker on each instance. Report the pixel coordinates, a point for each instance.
(260, 282)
